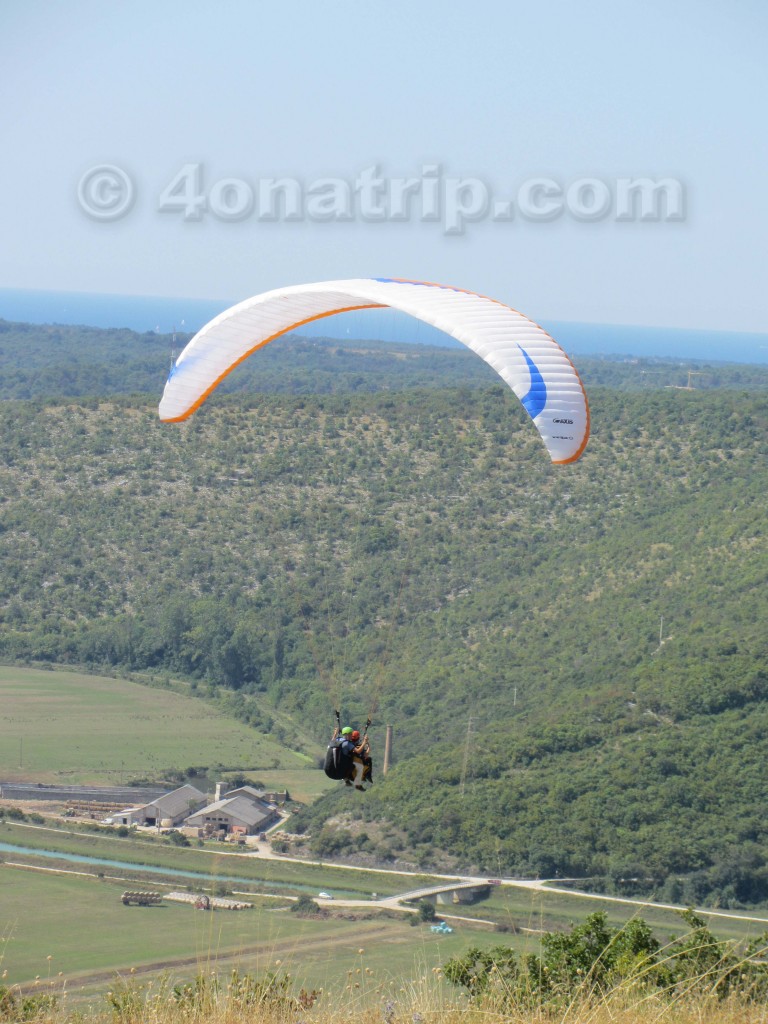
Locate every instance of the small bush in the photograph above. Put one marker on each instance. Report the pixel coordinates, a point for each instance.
(305, 906)
(177, 838)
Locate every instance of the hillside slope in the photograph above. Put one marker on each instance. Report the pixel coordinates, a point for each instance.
(413, 553)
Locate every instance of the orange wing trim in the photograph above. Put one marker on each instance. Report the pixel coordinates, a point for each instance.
(291, 327)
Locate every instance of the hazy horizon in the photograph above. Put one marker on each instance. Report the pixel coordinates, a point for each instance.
(166, 314)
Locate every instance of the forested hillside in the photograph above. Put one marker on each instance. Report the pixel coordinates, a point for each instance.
(573, 658)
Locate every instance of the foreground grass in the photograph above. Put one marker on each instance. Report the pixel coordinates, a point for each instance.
(235, 997)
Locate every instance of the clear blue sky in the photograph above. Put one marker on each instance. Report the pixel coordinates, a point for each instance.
(503, 92)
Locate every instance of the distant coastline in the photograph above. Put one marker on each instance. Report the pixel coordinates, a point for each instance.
(156, 314)
(138, 312)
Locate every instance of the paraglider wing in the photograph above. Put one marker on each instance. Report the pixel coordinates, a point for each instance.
(524, 355)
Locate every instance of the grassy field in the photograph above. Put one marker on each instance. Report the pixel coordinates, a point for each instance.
(67, 727)
(304, 786)
(82, 926)
(90, 937)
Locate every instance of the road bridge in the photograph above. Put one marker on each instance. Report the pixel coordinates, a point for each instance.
(454, 891)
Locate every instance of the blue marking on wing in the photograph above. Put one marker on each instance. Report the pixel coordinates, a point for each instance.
(536, 398)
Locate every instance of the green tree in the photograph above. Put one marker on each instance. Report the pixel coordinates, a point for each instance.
(427, 912)
(305, 906)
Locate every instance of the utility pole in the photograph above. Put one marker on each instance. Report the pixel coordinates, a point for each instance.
(662, 639)
(466, 756)
(387, 750)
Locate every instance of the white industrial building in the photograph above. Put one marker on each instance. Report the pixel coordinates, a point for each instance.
(168, 811)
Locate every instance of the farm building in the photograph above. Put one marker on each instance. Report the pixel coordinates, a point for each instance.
(169, 810)
(249, 791)
(240, 812)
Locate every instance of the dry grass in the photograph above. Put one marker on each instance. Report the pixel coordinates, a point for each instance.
(693, 979)
(234, 998)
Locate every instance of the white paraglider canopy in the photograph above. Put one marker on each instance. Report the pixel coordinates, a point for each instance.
(521, 352)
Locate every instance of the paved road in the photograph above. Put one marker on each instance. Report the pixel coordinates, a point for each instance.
(534, 884)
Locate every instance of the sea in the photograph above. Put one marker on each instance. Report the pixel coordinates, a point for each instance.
(144, 313)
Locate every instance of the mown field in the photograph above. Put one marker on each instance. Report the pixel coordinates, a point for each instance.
(81, 924)
(81, 933)
(68, 727)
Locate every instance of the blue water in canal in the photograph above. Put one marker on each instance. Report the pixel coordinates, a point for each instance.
(103, 862)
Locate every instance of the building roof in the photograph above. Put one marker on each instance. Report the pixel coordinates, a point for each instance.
(241, 807)
(185, 798)
(250, 792)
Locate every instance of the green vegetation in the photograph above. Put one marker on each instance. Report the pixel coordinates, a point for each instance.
(593, 960)
(75, 362)
(305, 906)
(573, 658)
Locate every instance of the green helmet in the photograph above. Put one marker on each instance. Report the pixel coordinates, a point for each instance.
(346, 731)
